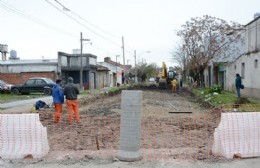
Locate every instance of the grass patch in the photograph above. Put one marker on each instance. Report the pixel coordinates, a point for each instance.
(227, 100)
(215, 99)
(114, 90)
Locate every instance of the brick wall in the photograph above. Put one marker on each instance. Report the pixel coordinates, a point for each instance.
(20, 78)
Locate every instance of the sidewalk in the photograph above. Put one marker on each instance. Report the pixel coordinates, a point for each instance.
(247, 163)
(47, 100)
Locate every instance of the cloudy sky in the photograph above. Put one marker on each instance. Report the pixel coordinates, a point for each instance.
(38, 29)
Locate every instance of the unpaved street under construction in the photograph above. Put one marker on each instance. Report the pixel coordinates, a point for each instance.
(174, 126)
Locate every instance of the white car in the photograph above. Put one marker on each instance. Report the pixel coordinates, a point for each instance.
(5, 87)
(152, 83)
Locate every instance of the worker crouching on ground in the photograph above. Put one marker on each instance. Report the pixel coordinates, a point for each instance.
(71, 92)
(58, 100)
(174, 85)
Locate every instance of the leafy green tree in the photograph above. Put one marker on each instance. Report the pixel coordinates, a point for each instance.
(145, 71)
(151, 70)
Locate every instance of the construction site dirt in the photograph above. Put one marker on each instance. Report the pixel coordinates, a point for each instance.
(174, 127)
(165, 134)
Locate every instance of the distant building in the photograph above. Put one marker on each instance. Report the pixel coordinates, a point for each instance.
(95, 76)
(70, 65)
(18, 71)
(116, 72)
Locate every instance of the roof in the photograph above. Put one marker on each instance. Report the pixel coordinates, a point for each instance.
(29, 61)
(253, 21)
(76, 55)
(102, 68)
(109, 61)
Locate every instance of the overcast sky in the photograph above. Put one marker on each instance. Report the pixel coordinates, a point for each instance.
(37, 29)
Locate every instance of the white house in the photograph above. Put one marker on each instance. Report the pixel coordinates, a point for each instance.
(115, 73)
(219, 70)
(247, 65)
(243, 60)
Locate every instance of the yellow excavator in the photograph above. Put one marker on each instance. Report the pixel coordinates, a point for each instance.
(165, 77)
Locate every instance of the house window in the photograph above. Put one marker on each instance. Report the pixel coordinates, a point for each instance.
(243, 70)
(256, 63)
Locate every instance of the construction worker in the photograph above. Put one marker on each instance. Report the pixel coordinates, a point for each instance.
(71, 92)
(174, 85)
(58, 100)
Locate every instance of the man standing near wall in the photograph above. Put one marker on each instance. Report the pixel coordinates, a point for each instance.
(238, 83)
(58, 100)
(71, 92)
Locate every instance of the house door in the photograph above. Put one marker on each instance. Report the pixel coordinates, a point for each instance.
(209, 70)
(221, 79)
(216, 77)
(92, 80)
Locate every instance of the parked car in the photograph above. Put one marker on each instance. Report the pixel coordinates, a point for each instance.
(5, 87)
(152, 83)
(34, 85)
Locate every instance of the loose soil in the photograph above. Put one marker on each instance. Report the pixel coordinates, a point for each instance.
(165, 134)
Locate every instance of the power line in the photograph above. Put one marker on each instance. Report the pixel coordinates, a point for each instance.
(97, 34)
(13, 9)
(74, 13)
(64, 8)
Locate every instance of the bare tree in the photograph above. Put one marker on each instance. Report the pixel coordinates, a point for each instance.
(205, 38)
(180, 56)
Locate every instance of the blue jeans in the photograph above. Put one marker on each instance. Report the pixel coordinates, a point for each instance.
(238, 91)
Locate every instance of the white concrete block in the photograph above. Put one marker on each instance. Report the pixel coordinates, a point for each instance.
(238, 134)
(130, 126)
(22, 135)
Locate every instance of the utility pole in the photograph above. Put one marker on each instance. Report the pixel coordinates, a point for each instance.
(135, 68)
(81, 61)
(123, 48)
(81, 65)
(116, 68)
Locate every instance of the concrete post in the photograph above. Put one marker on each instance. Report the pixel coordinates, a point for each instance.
(130, 126)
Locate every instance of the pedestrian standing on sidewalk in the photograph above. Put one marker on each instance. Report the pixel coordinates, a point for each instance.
(58, 100)
(238, 83)
(71, 92)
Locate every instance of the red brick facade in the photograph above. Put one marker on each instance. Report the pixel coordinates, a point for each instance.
(20, 78)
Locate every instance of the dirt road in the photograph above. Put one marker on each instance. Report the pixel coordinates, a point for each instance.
(175, 129)
(170, 122)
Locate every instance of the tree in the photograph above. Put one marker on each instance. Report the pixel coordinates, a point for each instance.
(151, 70)
(145, 71)
(205, 38)
(181, 58)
